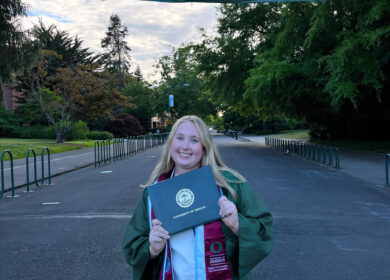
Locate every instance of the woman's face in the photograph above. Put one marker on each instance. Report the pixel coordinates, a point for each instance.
(186, 148)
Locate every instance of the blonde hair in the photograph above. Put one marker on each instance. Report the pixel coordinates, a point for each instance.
(210, 156)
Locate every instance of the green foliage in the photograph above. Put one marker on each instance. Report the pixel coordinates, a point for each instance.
(36, 132)
(215, 122)
(17, 51)
(65, 81)
(323, 63)
(180, 78)
(140, 94)
(99, 135)
(79, 131)
(67, 51)
(8, 123)
(29, 112)
(225, 60)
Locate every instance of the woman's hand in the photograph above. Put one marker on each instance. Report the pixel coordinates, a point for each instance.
(158, 237)
(228, 212)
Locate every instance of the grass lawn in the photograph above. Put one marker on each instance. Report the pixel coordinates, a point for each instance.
(360, 145)
(302, 134)
(19, 147)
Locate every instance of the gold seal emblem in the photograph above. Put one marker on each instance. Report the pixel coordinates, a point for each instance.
(185, 198)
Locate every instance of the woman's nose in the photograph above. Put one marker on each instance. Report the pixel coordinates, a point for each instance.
(186, 143)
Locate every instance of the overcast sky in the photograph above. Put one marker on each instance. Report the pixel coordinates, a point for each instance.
(152, 26)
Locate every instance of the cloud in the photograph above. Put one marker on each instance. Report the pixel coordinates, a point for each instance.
(152, 26)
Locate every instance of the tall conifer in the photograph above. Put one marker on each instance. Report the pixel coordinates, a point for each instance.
(117, 51)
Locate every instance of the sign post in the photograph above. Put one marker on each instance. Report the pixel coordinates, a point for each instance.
(171, 100)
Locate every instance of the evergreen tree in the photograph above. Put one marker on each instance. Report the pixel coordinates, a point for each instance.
(138, 74)
(15, 47)
(69, 48)
(117, 52)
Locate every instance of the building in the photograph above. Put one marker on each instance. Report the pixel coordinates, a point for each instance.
(160, 122)
(11, 97)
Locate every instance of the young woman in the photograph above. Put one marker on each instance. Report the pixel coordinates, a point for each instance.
(224, 249)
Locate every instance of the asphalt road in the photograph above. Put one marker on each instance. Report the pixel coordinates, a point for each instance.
(328, 225)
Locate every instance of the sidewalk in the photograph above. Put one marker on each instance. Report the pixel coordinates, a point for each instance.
(368, 166)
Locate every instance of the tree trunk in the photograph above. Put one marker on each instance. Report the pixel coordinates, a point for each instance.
(59, 138)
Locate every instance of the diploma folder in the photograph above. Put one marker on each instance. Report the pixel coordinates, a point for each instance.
(186, 201)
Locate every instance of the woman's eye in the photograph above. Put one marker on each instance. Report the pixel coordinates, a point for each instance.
(179, 137)
(194, 140)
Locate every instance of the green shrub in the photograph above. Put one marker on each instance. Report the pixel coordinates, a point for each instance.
(8, 123)
(264, 132)
(36, 132)
(79, 131)
(99, 135)
(124, 125)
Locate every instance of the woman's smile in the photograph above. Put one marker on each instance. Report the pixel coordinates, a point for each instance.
(184, 154)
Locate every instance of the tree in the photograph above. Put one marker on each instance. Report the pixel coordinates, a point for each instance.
(332, 58)
(138, 74)
(65, 83)
(124, 125)
(67, 47)
(16, 50)
(140, 96)
(117, 51)
(323, 63)
(180, 78)
(71, 95)
(225, 60)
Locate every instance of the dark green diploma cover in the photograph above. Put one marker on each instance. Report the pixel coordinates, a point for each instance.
(186, 201)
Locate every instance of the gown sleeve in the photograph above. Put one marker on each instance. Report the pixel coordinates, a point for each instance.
(255, 234)
(136, 244)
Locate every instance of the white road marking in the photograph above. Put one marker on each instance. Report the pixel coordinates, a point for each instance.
(50, 203)
(342, 248)
(105, 172)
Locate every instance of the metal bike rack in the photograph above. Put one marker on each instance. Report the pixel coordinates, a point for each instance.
(387, 169)
(43, 166)
(12, 173)
(308, 151)
(28, 171)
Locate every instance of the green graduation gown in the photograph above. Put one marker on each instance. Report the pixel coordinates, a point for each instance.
(254, 241)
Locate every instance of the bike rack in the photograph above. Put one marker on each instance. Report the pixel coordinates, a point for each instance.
(43, 166)
(27, 170)
(387, 169)
(123, 147)
(12, 173)
(309, 151)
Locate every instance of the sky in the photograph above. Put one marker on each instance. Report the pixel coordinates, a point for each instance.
(153, 27)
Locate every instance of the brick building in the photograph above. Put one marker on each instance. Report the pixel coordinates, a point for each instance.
(10, 97)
